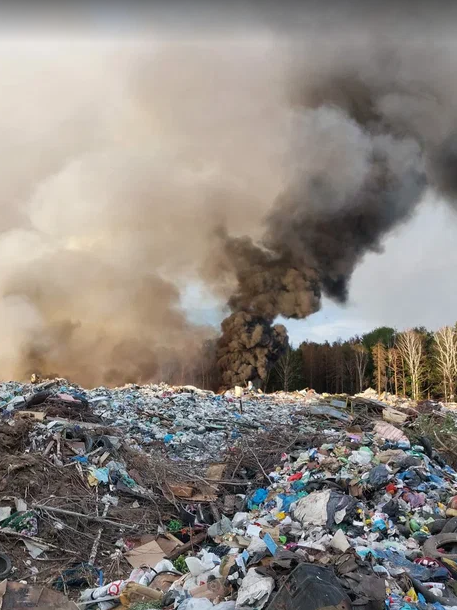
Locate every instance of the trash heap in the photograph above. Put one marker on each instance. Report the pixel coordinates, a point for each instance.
(365, 519)
(324, 503)
(195, 424)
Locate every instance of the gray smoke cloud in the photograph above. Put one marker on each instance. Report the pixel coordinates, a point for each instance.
(120, 159)
(260, 166)
(373, 127)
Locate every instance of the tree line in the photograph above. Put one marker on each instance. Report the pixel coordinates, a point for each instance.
(415, 363)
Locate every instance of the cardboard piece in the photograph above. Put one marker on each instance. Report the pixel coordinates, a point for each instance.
(16, 595)
(37, 415)
(393, 416)
(133, 593)
(389, 432)
(168, 543)
(215, 472)
(164, 580)
(148, 554)
(182, 491)
(238, 542)
(212, 590)
(273, 531)
(103, 458)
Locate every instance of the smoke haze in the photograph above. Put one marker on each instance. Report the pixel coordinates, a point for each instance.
(119, 162)
(264, 167)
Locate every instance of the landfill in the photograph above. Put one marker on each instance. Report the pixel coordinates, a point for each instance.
(174, 497)
(195, 424)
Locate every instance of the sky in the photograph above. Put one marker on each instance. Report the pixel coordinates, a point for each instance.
(413, 282)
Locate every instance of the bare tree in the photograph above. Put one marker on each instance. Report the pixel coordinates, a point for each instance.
(446, 358)
(411, 349)
(380, 365)
(361, 361)
(403, 375)
(394, 363)
(287, 369)
(351, 370)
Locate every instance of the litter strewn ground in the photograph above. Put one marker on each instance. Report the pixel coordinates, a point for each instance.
(147, 497)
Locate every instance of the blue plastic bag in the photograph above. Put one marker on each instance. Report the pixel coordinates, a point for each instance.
(258, 497)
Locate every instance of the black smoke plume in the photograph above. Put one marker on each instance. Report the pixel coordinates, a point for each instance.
(248, 348)
(371, 135)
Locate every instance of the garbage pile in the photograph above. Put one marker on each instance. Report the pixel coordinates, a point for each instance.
(195, 424)
(402, 402)
(326, 502)
(365, 519)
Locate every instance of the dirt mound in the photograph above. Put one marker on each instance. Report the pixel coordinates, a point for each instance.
(14, 438)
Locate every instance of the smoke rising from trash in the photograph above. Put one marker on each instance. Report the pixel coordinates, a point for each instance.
(364, 149)
(262, 171)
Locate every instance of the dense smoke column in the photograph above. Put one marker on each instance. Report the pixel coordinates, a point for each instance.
(249, 346)
(359, 165)
(266, 284)
(319, 229)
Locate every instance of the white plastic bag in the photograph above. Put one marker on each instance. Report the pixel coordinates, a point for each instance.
(195, 603)
(255, 590)
(312, 509)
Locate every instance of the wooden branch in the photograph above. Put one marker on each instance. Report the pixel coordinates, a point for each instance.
(62, 511)
(33, 539)
(183, 548)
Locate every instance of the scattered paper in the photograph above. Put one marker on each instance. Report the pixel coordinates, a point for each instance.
(21, 506)
(5, 512)
(271, 544)
(253, 530)
(35, 549)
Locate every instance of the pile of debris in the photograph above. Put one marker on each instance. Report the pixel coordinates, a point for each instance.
(363, 519)
(312, 499)
(195, 424)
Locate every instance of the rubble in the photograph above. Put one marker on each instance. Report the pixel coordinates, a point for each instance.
(288, 499)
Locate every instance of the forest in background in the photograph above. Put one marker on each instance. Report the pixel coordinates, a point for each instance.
(417, 363)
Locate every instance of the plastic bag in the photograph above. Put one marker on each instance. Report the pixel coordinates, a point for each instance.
(225, 606)
(414, 570)
(197, 567)
(255, 590)
(362, 457)
(258, 497)
(224, 526)
(312, 509)
(378, 477)
(195, 603)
